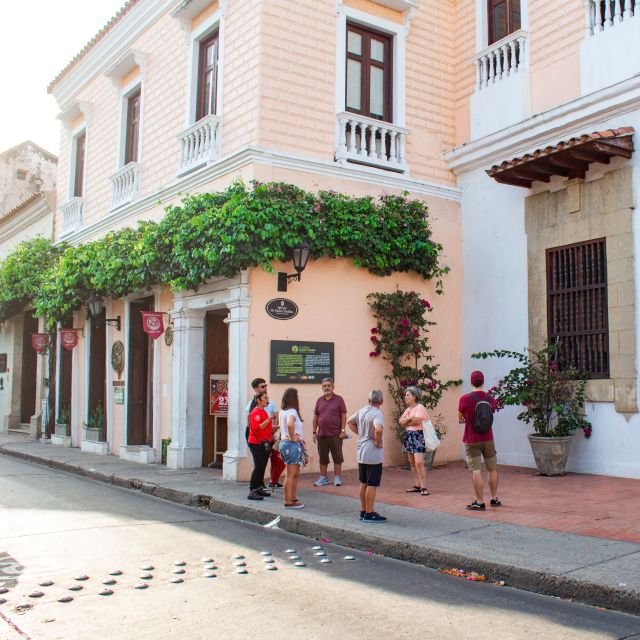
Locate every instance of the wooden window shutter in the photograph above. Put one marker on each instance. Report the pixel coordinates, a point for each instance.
(577, 306)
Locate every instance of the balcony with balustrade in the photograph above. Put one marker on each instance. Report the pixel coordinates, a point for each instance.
(502, 77)
(610, 51)
(200, 144)
(125, 185)
(71, 216)
(372, 142)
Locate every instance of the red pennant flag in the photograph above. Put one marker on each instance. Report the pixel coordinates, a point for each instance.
(39, 341)
(69, 338)
(152, 323)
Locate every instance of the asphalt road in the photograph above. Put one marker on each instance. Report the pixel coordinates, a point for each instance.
(58, 528)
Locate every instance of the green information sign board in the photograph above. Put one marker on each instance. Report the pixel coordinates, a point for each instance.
(299, 362)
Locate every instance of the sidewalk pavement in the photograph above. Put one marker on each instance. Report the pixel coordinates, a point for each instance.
(572, 537)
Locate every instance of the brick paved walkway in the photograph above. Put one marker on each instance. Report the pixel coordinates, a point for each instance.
(589, 505)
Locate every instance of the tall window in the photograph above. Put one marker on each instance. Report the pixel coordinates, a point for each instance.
(369, 73)
(504, 18)
(132, 127)
(208, 76)
(577, 311)
(78, 174)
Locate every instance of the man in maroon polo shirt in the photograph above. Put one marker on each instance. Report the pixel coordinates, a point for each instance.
(478, 445)
(329, 422)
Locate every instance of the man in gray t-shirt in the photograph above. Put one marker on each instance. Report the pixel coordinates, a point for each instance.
(368, 423)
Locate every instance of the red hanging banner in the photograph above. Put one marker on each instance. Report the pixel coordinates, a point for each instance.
(69, 338)
(152, 323)
(39, 341)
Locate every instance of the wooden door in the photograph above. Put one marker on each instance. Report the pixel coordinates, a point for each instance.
(29, 369)
(64, 372)
(140, 402)
(98, 365)
(216, 361)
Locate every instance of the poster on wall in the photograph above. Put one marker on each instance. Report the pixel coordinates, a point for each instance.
(218, 394)
(301, 362)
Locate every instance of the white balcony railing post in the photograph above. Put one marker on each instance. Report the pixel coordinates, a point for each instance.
(125, 185)
(372, 142)
(502, 59)
(601, 15)
(200, 144)
(71, 216)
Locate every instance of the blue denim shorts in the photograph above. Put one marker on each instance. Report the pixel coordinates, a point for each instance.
(291, 452)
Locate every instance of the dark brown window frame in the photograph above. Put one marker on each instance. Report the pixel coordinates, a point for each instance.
(132, 126)
(577, 305)
(203, 108)
(367, 63)
(80, 144)
(511, 27)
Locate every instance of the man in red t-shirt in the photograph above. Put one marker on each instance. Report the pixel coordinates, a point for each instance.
(478, 445)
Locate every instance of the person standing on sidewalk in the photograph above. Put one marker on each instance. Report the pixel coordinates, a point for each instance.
(478, 443)
(368, 423)
(329, 420)
(291, 446)
(260, 437)
(413, 440)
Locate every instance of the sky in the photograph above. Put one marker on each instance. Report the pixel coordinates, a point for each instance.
(37, 40)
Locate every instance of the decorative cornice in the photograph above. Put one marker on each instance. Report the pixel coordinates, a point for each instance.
(73, 111)
(567, 120)
(258, 155)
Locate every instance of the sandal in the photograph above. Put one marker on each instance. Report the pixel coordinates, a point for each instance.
(476, 506)
(414, 489)
(424, 492)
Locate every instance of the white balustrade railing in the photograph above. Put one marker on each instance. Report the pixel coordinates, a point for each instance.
(503, 59)
(369, 141)
(125, 184)
(601, 15)
(200, 144)
(71, 215)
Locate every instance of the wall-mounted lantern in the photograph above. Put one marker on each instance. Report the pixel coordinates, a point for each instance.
(300, 259)
(94, 309)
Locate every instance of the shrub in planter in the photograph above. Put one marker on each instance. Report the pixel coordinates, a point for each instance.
(95, 425)
(63, 421)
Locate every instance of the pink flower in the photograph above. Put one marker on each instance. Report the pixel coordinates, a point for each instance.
(374, 330)
(416, 333)
(373, 354)
(373, 339)
(587, 431)
(404, 322)
(425, 304)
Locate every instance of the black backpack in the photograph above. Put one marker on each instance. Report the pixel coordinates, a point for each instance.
(483, 415)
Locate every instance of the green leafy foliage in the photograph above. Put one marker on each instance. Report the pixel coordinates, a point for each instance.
(401, 336)
(553, 397)
(23, 272)
(220, 234)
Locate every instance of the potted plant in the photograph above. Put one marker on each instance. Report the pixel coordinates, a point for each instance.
(64, 421)
(401, 336)
(95, 426)
(552, 397)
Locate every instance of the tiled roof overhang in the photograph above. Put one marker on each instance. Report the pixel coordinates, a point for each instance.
(568, 158)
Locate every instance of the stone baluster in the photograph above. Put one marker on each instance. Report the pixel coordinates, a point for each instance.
(373, 130)
(618, 12)
(342, 148)
(627, 13)
(608, 22)
(362, 147)
(485, 64)
(588, 17)
(522, 51)
(382, 151)
(401, 149)
(505, 68)
(597, 16)
(393, 151)
(478, 74)
(352, 137)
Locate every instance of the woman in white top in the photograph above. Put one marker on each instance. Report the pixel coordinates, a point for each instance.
(291, 446)
(413, 440)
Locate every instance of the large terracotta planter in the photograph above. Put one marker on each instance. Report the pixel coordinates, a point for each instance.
(550, 454)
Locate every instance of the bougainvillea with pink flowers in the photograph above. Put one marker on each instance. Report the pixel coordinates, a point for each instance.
(401, 336)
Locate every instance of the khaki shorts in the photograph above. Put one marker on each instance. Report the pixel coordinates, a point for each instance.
(478, 450)
(331, 444)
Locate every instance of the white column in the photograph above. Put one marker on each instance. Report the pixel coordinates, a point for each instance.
(588, 17)
(187, 384)
(238, 322)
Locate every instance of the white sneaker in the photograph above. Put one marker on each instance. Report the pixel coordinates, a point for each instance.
(321, 481)
(337, 481)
